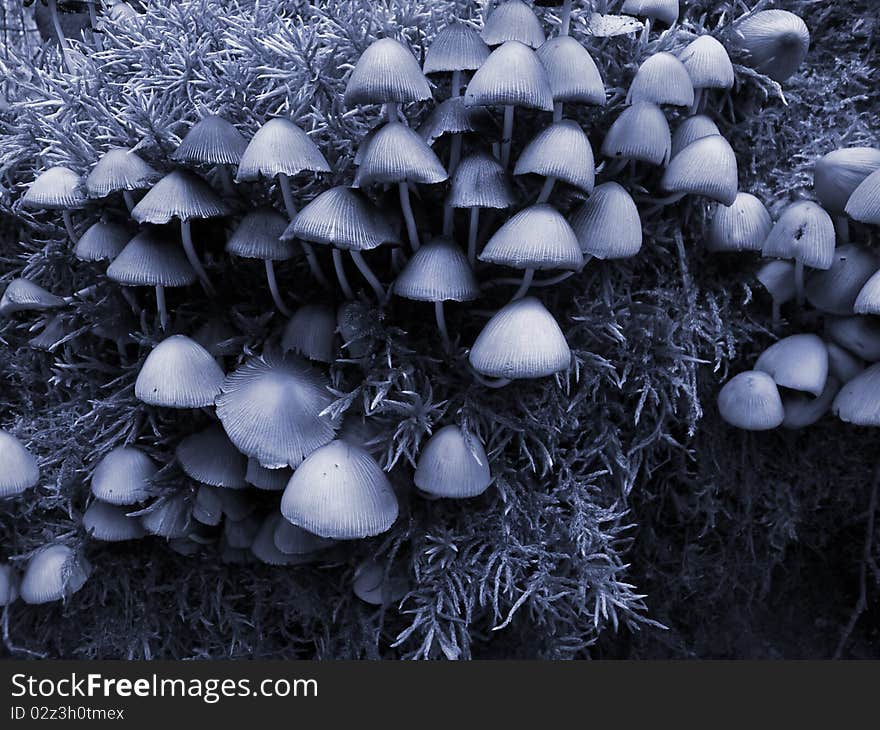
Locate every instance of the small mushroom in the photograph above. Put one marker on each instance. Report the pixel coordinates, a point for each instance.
(802, 410)
(453, 464)
(9, 581)
(212, 142)
(662, 79)
(777, 277)
(293, 540)
(607, 225)
(270, 480)
(666, 11)
(111, 523)
(58, 188)
(858, 401)
(209, 457)
(264, 548)
(835, 178)
(102, 241)
(169, 516)
(692, 129)
(311, 332)
(371, 585)
(23, 295)
(55, 572)
(706, 167)
(120, 170)
(572, 73)
(742, 226)
(709, 66)
(456, 48)
(837, 289)
(559, 152)
(798, 362)
(513, 20)
(640, 134)
(773, 42)
(864, 204)
(860, 335)
(18, 468)
(124, 476)
(751, 401)
(179, 373)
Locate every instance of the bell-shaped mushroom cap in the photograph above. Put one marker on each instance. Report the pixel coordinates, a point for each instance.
(23, 295)
(777, 277)
(864, 204)
(207, 506)
(706, 167)
(398, 154)
(270, 480)
(18, 468)
(799, 362)
(50, 336)
(343, 218)
(371, 586)
(311, 332)
(742, 226)
(52, 574)
(279, 147)
(119, 169)
(55, 189)
(804, 232)
(511, 76)
(180, 194)
(169, 517)
(860, 335)
(258, 236)
(387, 72)
(110, 523)
(210, 457)
(858, 401)
(271, 408)
(607, 225)
(102, 241)
(839, 173)
(537, 237)
(8, 585)
(264, 548)
(480, 181)
(774, 42)
(211, 141)
(836, 290)
(448, 117)
(692, 129)
(148, 259)
(340, 492)
(124, 476)
(662, 79)
(294, 540)
(513, 20)
(179, 373)
(708, 64)
(458, 47)
(562, 151)
(438, 271)
(868, 299)
(751, 401)
(802, 410)
(522, 340)
(666, 11)
(572, 72)
(453, 464)
(842, 364)
(641, 132)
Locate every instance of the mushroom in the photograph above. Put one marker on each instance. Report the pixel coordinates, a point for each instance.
(169, 516)
(124, 476)
(607, 224)
(513, 20)
(842, 364)
(777, 277)
(453, 464)
(709, 66)
(559, 152)
(311, 332)
(572, 73)
(264, 548)
(666, 11)
(868, 299)
(179, 373)
(373, 587)
(798, 362)
(640, 134)
(209, 457)
(836, 177)
(52, 335)
(293, 540)
(662, 79)
(102, 241)
(270, 480)
(456, 48)
(773, 42)
(111, 523)
(58, 188)
(802, 410)
(120, 170)
(692, 129)
(860, 335)
(8, 585)
(858, 401)
(742, 226)
(54, 573)
(23, 295)
(751, 401)
(207, 507)
(706, 167)
(864, 204)
(212, 142)
(18, 468)
(835, 290)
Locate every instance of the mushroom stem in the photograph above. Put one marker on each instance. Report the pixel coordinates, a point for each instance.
(507, 136)
(192, 257)
(528, 275)
(287, 195)
(546, 189)
(368, 274)
(273, 288)
(68, 224)
(308, 250)
(340, 274)
(408, 216)
(536, 283)
(799, 282)
(62, 41)
(565, 25)
(841, 225)
(698, 100)
(128, 197)
(93, 20)
(454, 153)
(472, 235)
(557, 111)
(776, 315)
(455, 84)
(129, 297)
(392, 111)
(161, 306)
(440, 316)
(646, 31)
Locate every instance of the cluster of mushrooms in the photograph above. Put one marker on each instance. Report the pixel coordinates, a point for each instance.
(272, 427)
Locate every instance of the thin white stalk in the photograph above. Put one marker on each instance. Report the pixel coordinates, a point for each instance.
(273, 288)
(440, 316)
(340, 274)
(507, 136)
(192, 257)
(473, 229)
(161, 306)
(368, 274)
(411, 229)
(528, 275)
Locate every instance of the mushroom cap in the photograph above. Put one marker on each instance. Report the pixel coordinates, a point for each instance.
(18, 468)
(148, 259)
(708, 64)
(263, 544)
(270, 480)
(804, 232)
(102, 241)
(859, 334)
(842, 364)
(774, 42)
(458, 47)
(692, 129)
(453, 464)
(571, 72)
(751, 401)
(538, 237)
(839, 173)
(294, 540)
(562, 151)
(124, 476)
(398, 154)
(480, 181)
(522, 340)
(218, 337)
(511, 76)
(802, 410)
(52, 574)
(706, 167)
(271, 408)
(340, 492)
(211, 141)
(371, 587)
(209, 457)
(111, 523)
(641, 132)
(513, 20)
(858, 401)
(777, 277)
(8, 585)
(836, 290)
(311, 332)
(180, 194)
(23, 295)
(50, 336)
(798, 362)
(868, 299)
(119, 169)
(742, 226)
(607, 224)
(279, 147)
(343, 218)
(864, 204)
(179, 373)
(387, 72)
(169, 516)
(449, 117)
(58, 188)
(439, 271)
(207, 506)
(258, 236)
(666, 11)
(662, 79)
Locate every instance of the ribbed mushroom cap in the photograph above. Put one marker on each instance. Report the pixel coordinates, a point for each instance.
(102, 241)
(662, 79)
(480, 182)
(864, 204)
(799, 362)
(180, 194)
(124, 476)
(522, 340)
(751, 401)
(858, 401)
(55, 189)
(311, 332)
(207, 506)
(340, 492)
(169, 517)
(218, 337)
(438, 271)
(458, 47)
(860, 335)
(398, 154)
(210, 457)
(836, 290)
(343, 218)
(868, 299)
(842, 364)
(264, 548)
(692, 129)
(148, 259)
(453, 465)
(777, 277)
(742, 226)
(450, 117)
(52, 574)
(802, 410)
(371, 586)
(708, 64)
(293, 540)
(641, 132)
(110, 523)
(179, 373)
(562, 151)
(511, 76)
(270, 480)
(8, 585)
(804, 232)
(706, 167)
(23, 295)
(119, 169)
(513, 20)
(271, 407)
(774, 42)
(279, 147)
(537, 237)
(211, 141)
(839, 173)
(387, 72)
(18, 468)
(258, 236)
(50, 336)
(572, 72)
(240, 534)
(607, 225)
(666, 11)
